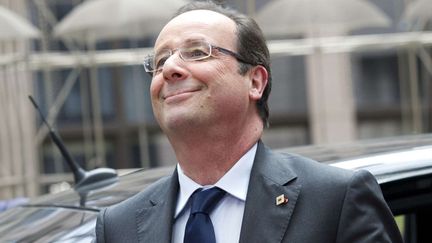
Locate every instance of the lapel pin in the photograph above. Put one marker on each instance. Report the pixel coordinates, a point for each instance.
(281, 199)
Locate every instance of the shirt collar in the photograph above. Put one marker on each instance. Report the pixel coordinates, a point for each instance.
(235, 182)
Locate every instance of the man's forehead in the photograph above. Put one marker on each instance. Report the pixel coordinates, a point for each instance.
(196, 20)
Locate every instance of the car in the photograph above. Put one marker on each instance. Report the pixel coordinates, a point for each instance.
(401, 165)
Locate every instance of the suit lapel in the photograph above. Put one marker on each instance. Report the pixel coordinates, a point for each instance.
(155, 220)
(270, 178)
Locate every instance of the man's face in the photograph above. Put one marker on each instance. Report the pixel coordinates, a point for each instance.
(211, 91)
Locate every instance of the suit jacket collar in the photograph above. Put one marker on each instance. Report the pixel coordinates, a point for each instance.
(270, 178)
(155, 219)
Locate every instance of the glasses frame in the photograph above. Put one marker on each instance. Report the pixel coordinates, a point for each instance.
(150, 58)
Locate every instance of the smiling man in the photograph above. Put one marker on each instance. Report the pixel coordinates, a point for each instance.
(210, 84)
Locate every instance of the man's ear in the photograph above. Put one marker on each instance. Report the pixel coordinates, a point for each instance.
(259, 78)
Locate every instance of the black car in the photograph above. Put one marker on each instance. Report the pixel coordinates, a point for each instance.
(402, 166)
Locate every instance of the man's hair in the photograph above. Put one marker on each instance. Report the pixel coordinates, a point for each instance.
(251, 45)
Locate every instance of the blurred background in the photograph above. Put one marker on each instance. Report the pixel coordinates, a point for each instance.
(343, 70)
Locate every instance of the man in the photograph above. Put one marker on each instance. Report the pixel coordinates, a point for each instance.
(210, 85)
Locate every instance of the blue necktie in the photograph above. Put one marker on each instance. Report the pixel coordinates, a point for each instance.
(199, 228)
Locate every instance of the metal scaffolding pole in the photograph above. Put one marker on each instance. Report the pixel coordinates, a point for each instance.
(5, 145)
(417, 123)
(96, 108)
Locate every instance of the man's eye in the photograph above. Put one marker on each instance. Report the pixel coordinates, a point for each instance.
(160, 62)
(195, 53)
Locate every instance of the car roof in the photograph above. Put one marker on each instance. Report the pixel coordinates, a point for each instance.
(388, 159)
(123, 188)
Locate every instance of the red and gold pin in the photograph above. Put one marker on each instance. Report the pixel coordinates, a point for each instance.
(281, 199)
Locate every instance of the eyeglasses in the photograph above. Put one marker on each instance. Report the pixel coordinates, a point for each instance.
(191, 51)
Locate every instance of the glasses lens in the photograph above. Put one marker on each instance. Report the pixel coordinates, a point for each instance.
(192, 51)
(160, 58)
(195, 51)
(154, 63)
(148, 63)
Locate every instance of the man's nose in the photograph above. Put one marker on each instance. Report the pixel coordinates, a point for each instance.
(173, 68)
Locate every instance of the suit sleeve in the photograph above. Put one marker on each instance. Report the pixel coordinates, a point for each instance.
(100, 227)
(365, 216)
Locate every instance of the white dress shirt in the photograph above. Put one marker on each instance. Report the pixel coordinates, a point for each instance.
(228, 214)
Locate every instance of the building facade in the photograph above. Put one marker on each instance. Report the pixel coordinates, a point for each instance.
(366, 83)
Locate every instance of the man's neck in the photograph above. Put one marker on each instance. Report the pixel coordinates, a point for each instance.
(205, 156)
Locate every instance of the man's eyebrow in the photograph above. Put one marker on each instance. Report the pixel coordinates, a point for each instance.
(195, 39)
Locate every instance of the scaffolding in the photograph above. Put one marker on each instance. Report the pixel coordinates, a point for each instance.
(21, 139)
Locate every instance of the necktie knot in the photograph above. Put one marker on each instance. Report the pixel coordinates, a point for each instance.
(199, 227)
(204, 201)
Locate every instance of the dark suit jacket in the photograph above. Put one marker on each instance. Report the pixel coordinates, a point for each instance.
(325, 205)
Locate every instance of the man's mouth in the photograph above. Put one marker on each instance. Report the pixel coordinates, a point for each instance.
(179, 92)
